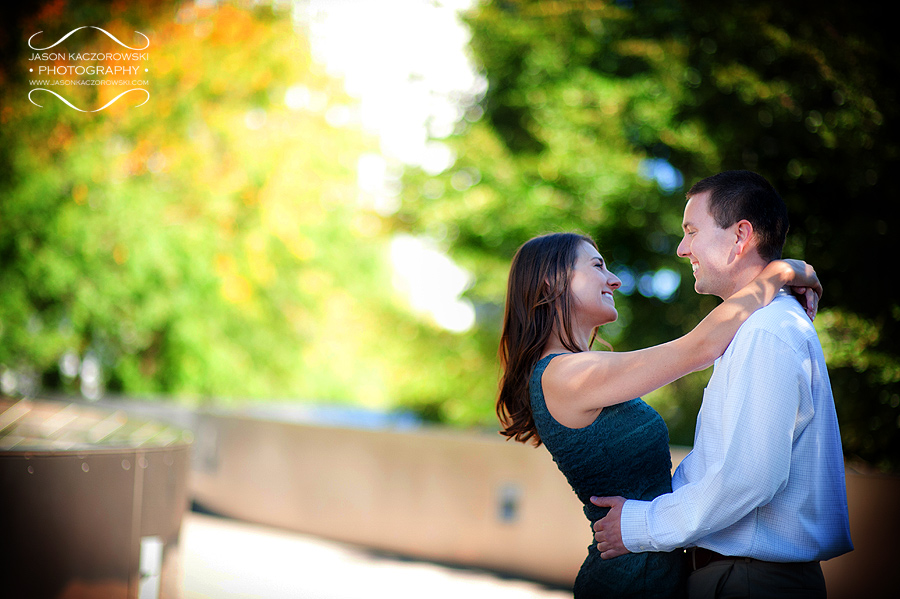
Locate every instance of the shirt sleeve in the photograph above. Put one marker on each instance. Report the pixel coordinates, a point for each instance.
(747, 459)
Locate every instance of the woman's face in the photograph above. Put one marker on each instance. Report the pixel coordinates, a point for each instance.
(591, 287)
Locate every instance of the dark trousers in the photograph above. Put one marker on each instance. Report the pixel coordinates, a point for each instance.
(754, 579)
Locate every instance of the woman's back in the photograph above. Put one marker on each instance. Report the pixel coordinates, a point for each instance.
(625, 452)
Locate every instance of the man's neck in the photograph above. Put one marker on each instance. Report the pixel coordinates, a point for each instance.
(746, 275)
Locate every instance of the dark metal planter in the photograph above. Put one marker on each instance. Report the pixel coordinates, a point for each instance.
(91, 503)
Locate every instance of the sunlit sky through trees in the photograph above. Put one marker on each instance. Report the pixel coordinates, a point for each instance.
(406, 63)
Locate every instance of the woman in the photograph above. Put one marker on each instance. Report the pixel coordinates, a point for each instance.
(580, 403)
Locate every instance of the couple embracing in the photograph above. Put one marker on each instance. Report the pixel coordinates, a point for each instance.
(761, 498)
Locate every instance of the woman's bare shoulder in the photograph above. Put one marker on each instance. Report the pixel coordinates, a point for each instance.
(563, 383)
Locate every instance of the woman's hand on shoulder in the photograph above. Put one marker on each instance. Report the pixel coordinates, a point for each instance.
(803, 283)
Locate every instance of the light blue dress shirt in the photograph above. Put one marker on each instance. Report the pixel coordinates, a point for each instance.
(765, 478)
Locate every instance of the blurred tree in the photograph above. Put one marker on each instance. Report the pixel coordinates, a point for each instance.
(599, 115)
(210, 243)
(142, 244)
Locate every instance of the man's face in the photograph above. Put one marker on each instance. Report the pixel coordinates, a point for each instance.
(709, 248)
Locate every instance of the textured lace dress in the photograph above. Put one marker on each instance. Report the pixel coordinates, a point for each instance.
(625, 451)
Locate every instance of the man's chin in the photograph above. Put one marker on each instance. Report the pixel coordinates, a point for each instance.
(702, 289)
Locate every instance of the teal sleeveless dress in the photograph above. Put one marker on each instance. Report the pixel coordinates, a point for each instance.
(625, 452)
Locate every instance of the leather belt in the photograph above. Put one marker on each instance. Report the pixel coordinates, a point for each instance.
(700, 557)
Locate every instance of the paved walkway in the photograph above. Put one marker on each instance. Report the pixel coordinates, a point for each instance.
(226, 559)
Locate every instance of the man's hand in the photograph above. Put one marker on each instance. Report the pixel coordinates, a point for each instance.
(608, 531)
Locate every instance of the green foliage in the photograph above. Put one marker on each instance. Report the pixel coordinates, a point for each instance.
(143, 237)
(583, 97)
(208, 245)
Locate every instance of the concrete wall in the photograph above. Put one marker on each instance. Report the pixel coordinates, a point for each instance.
(435, 495)
(461, 498)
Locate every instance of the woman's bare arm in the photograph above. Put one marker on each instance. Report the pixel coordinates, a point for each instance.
(577, 386)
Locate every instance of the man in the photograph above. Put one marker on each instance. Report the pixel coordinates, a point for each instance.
(761, 498)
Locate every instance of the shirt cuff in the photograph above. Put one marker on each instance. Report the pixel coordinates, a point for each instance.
(634, 526)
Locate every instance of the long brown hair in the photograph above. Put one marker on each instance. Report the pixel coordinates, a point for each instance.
(537, 298)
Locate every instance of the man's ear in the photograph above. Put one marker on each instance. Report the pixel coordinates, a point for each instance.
(743, 233)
